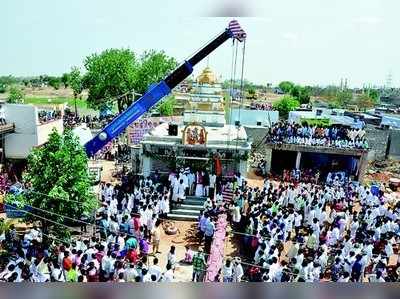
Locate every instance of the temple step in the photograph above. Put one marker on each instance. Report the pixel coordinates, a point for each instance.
(194, 202)
(191, 207)
(180, 217)
(189, 210)
(182, 211)
(202, 198)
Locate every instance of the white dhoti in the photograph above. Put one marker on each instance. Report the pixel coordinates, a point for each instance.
(175, 197)
(199, 190)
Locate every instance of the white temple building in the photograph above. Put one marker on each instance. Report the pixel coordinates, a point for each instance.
(202, 140)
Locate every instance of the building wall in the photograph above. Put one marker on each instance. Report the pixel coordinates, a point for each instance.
(378, 141)
(28, 132)
(23, 116)
(256, 134)
(394, 150)
(18, 146)
(44, 130)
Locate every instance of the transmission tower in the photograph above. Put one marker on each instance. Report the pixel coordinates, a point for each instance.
(389, 78)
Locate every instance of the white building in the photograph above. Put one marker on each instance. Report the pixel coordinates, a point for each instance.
(29, 132)
(254, 118)
(331, 116)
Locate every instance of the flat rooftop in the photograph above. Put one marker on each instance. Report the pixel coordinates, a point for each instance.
(317, 149)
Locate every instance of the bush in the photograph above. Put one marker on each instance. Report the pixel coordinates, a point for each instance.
(285, 105)
(16, 95)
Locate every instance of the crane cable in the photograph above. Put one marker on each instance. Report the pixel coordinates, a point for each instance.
(241, 92)
(233, 81)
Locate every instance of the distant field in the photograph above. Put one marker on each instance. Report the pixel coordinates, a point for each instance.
(55, 100)
(51, 100)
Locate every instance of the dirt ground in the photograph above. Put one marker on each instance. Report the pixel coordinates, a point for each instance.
(186, 236)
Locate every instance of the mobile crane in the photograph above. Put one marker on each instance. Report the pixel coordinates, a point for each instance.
(157, 91)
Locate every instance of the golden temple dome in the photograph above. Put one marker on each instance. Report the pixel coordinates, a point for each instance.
(207, 77)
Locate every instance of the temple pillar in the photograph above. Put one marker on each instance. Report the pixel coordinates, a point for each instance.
(268, 159)
(243, 167)
(298, 160)
(362, 167)
(146, 166)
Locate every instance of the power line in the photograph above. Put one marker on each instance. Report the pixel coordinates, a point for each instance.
(59, 215)
(35, 215)
(56, 197)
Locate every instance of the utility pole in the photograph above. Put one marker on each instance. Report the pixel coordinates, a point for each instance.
(76, 108)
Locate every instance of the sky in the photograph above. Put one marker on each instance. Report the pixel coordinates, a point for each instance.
(313, 42)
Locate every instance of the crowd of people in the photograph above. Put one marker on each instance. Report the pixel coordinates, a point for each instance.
(309, 232)
(304, 134)
(128, 233)
(46, 116)
(261, 106)
(125, 246)
(285, 231)
(92, 121)
(306, 175)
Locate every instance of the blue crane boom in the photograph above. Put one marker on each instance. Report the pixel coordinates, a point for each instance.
(157, 91)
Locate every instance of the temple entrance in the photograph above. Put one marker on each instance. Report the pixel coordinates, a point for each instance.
(327, 163)
(282, 160)
(194, 163)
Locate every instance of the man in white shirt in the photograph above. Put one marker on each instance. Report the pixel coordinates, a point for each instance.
(236, 216)
(130, 273)
(107, 264)
(237, 270)
(108, 192)
(183, 176)
(191, 180)
(168, 275)
(239, 179)
(213, 180)
(155, 269)
(181, 191)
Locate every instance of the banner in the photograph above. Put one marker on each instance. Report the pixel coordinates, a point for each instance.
(138, 129)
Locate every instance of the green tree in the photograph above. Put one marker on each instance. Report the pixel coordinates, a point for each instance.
(251, 92)
(109, 75)
(75, 81)
(286, 86)
(58, 174)
(246, 84)
(54, 82)
(65, 79)
(166, 107)
(76, 84)
(16, 95)
(285, 105)
(343, 98)
(44, 79)
(374, 95)
(117, 72)
(8, 80)
(365, 101)
(153, 67)
(302, 94)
